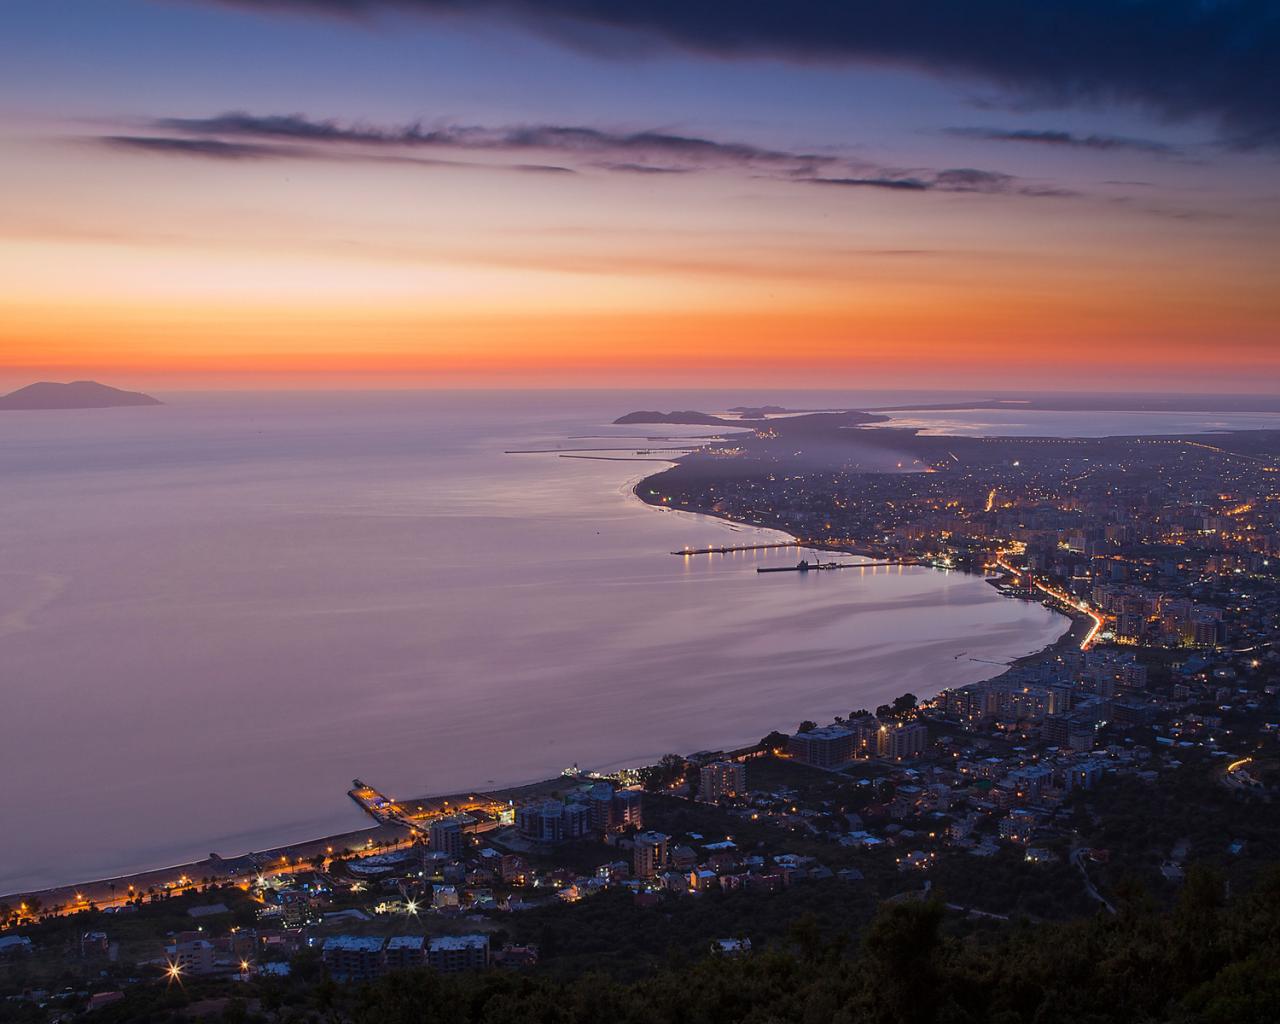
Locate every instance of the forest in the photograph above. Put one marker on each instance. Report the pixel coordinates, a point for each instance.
(1213, 956)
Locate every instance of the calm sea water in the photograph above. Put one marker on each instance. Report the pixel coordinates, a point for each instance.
(215, 613)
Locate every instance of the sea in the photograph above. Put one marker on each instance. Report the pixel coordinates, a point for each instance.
(215, 613)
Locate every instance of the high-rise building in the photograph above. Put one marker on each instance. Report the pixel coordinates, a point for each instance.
(628, 808)
(722, 779)
(353, 957)
(823, 748)
(447, 836)
(551, 821)
(575, 820)
(450, 953)
(650, 853)
(1059, 700)
(902, 741)
(404, 952)
(600, 800)
(1055, 730)
(1081, 735)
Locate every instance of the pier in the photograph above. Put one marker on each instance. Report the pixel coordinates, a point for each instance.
(824, 566)
(741, 547)
(419, 815)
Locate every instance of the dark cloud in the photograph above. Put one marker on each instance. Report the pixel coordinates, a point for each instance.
(645, 150)
(214, 148)
(630, 168)
(969, 179)
(1176, 57)
(239, 134)
(956, 179)
(901, 184)
(1050, 137)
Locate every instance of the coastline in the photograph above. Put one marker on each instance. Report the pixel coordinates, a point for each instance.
(107, 891)
(1078, 626)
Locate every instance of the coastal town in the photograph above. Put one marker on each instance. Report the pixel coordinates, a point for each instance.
(1139, 748)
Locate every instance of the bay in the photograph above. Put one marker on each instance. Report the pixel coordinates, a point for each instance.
(215, 613)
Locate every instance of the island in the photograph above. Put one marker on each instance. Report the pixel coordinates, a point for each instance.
(685, 416)
(78, 394)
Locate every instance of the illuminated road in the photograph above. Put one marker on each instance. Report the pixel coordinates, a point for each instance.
(123, 894)
(1058, 595)
(1234, 775)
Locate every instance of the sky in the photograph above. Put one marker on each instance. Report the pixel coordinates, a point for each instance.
(580, 193)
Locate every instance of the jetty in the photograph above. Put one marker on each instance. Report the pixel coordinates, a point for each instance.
(740, 547)
(806, 566)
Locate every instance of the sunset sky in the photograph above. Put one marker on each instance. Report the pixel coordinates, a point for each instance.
(356, 193)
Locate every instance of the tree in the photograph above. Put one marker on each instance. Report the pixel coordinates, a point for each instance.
(900, 948)
(774, 741)
(807, 726)
(665, 773)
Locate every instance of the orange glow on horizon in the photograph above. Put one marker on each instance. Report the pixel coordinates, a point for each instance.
(186, 276)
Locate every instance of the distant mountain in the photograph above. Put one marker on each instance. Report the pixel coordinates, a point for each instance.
(79, 394)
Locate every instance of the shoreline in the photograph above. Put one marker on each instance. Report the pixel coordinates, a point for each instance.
(106, 892)
(112, 891)
(1076, 630)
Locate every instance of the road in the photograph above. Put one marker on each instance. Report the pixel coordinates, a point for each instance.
(1077, 858)
(1234, 775)
(1091, 637)
(118, 893)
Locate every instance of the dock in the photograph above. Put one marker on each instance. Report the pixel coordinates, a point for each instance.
(824, 566)
(741, 547)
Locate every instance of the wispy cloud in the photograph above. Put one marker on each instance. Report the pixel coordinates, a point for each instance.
(899, 184)
(240, 135)
(642, 151)
(1067, 140)
(210, 148)
(956, 179)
